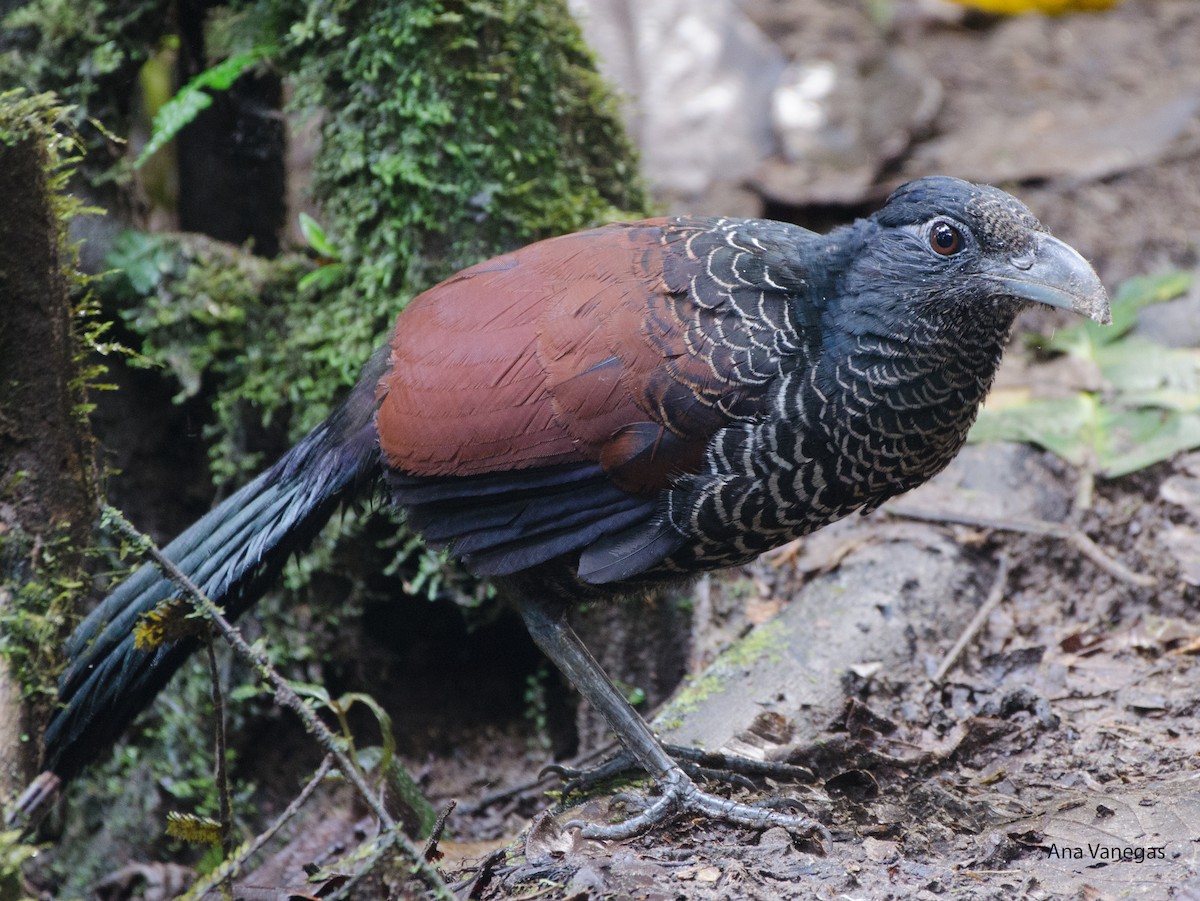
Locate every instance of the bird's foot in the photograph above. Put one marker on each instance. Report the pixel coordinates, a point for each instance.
(680, 795)
(547, 625)
(700, 765)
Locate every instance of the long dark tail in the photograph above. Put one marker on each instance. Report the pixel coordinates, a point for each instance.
(233, 554)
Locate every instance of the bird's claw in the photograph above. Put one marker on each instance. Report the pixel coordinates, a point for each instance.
(566, 773)
(577, 780)
(680, 795)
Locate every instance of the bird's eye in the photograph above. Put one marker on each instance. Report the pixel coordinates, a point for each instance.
(945, 239)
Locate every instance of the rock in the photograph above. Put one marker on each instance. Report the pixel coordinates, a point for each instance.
(699, 76)
(841, 122)
(1083, 143)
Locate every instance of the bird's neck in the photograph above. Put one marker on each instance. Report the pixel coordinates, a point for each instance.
(954, 355)
(967, 339)
(913, 394)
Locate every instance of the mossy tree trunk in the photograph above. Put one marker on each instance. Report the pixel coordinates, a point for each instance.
(47, 501)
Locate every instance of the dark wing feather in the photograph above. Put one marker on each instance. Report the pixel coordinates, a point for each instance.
(539, 515)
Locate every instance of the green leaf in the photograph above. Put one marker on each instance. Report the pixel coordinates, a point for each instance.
(14, 853)
(346, 701)
(315, 237)
(1164, 399)
(192, 99)
(1083, 339)
(140, 259)
(405, 799)
(1111, 440)
(1149, 409)
(1130, 440)
(402, 796)
(314, 692)
(1139, 370)
(323, 278)
(1065, 426)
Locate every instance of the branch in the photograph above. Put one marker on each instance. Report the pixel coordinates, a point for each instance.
(1082, 543)
(995, 596)
(286, 696)
(232, 865)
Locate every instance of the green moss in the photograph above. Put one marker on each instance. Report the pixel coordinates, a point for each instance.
(44, 571)
(450, 132)
(14, 853)
(768, 641)
(43, 574)
(207, 312)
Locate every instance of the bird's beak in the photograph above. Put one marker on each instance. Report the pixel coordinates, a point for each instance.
(1055, 274)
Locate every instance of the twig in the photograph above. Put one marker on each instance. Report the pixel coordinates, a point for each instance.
(284, 692)
(371, 852)
(1082, 542)
(995, 595)
(222, 770)
(507, 794)
(604, 751)
(435, 834)
(482, 877)
(285, 695)
(232, 865)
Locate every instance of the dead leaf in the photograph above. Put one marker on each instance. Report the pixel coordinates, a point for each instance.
(456, 855)
(1083, 643)
(1118, 838)
(880, 851)
(148, 881)
(548, 842)
(817, 553)
(759, 611)
(1181, 490)
(1183, 543)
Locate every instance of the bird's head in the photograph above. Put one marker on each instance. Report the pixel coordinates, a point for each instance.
(943, 246)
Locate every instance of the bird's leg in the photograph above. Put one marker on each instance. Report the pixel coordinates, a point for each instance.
(548, 626)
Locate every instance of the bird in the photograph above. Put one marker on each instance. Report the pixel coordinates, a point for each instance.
(622, 407)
